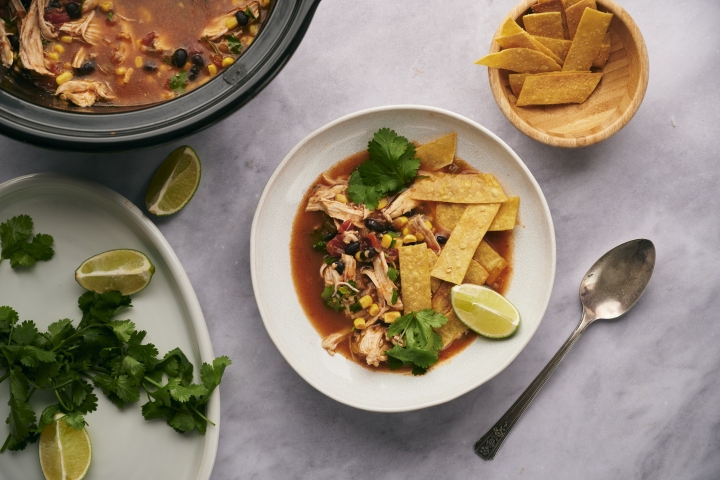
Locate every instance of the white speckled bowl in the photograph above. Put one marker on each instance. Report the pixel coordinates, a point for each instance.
(284, 317)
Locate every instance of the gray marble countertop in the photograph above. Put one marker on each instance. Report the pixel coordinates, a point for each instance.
(637, 398)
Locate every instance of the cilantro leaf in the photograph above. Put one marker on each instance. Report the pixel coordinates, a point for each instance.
(392, 274)
(391, 166)
(422, 343)
(75, 420)
(24, 333)
(234, 44)
(16, 245)
(178, 82)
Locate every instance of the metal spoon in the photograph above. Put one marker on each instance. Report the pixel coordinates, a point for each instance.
(609, 289)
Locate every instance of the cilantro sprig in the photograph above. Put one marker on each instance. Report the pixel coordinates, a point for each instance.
(17, 245)
(422, 343)
(234, 44)
(391, 166)
(101, 352)
(178, 82)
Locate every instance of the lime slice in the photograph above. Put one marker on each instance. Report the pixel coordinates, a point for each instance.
(174, 183)
(484, 311)
(128, 271)
(65, 453)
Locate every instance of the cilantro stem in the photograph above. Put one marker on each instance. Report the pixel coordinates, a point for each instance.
(60, 400)
(2, 379)
(152, 382)
(71, 337)
(7, 440)
(201, 415)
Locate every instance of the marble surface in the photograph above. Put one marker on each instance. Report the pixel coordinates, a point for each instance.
(634, 399)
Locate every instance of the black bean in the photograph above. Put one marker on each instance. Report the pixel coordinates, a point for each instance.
(54, 4)
(149, 66)
(179, 58)
(198, 60)
(352, 248)
(14, 42)
(73, 10)
(328, 236)
(409, 213)
(374, 225)
(86, 68)
(194, 72)
(339, 267)
(370, 253)
(242, 18)
(441, 239)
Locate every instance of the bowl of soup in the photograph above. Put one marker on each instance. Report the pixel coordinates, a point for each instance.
(120, 74)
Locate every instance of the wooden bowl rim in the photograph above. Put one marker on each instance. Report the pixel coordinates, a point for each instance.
(502, 101)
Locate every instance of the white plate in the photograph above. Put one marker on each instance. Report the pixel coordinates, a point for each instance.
(85, 218)
(285, 320)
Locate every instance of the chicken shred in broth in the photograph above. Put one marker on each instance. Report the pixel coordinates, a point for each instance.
(125, 52)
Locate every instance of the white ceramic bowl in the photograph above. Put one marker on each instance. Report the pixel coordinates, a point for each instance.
(285, 320)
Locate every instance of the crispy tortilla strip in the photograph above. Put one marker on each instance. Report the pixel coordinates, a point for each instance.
(548, 24)
(557, 46)
(575, 13)
(506, 216)
(434, 282)
(523, 40)
(475, 274)
(588, 40)
(557, 89)
(441, 299)
(517, 80)
(604, 53)
(452, 330)
(459, 250)
(521, 60)
(438, 153)
(490, 260)
(448, 214)
(415, 274)
(553, 6)
(570, 3)
(459, 188)
(510, 27)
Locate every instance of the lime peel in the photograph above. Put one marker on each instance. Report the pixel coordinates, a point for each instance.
(175, 182)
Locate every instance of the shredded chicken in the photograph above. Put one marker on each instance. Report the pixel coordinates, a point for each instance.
(6, 52)
(331, 342)
(19, 8)
(119, 54)
(48, 32)
(323, 199)
(31, 47)
(79, 58)
(83, 93)
(330, 275)
(88, 5)
(218, 27)
(384, 285)
(84, 29)
(418, 223)
(350, 266)
(403, 203)
(370, 343)
(335, 181)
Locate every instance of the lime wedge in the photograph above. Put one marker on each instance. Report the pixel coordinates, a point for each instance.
(484, 311)
(65, 453)
(128, 271)
(174, 183)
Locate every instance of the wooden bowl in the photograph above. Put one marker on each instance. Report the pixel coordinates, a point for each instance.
(607, 110)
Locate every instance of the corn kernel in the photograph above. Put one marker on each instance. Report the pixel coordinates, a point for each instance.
(246, 41)
(53, 56)
(254, 29)
(231, 23)
(106, 6)
(398, 243)
(386, 241)
(382, 203)
(406, 231)
(264, 3)
(66, 39)
(63, 77)
(212, 69)
(359, 256)
(390, 317)
(138, 62)
(399, 223)
(227, 61)
(420, 237)
(428, 224)
(120, 71)
(341, 198)
(365, 301)
(374, 309)
(59, 48)
(359, 323)
(409, 239)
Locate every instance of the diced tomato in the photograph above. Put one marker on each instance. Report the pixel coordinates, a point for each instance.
(194, 48)
(375, 242)
(346, 225)
(335, 247)
(148, 39)
(56, 17)
(217, 60)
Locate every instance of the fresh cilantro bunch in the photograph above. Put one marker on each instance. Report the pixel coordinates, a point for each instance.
(391, 166)
(17, 246)
(422, 343)
(100, 352)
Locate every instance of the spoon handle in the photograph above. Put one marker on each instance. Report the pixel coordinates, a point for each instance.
(490, 443)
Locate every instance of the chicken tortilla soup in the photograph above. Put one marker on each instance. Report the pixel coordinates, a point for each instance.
(380, 239)
(125, 52)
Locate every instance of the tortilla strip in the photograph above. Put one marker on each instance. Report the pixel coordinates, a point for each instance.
(575, 13)
(510, 27)
(438, 153)
(452, 330)
(448, 214)
(521, 60)
(548, 24)
(459, 250)
(441, 299)
(588, 40)
(490, 260)
(557, 89)
(553, 6)
(557, 46)
(517, 80)
(604, 53)
(475, 274)
(434, 282)
(415, 275)
(523, 40)
(506, 216)
(458, 188)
